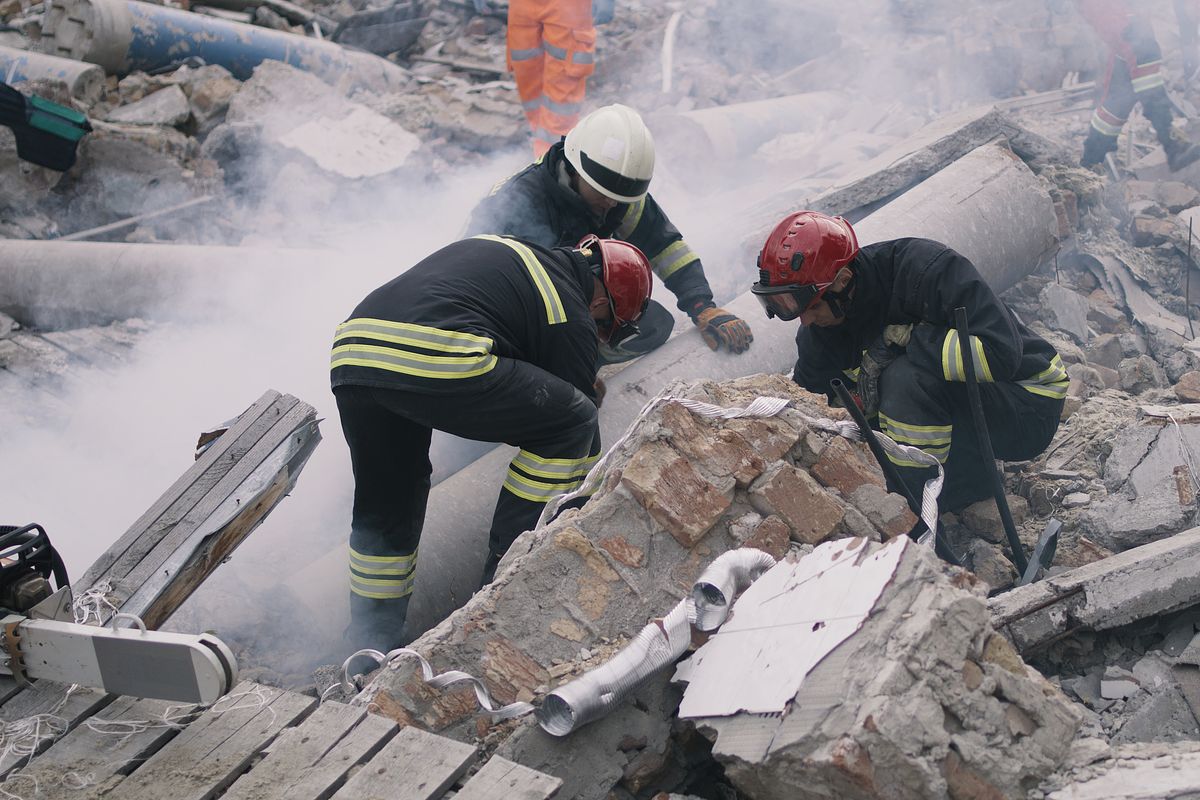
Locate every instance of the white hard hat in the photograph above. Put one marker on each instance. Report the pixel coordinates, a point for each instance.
(614, 152)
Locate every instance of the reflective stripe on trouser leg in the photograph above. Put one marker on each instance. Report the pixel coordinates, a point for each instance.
(570, 59)
(545, 469)
(526, 56)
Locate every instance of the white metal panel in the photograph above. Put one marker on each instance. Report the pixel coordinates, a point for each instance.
(784, 624)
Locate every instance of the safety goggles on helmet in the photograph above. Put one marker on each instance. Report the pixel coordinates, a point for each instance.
(789, 301)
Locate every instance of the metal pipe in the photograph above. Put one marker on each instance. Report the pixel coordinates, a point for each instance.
(125, 35)
(85, 81)
(656, 646)
(985, 442)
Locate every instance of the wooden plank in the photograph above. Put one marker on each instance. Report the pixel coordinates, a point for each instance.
(170, 524)
(212, 751)
(310, 761)
(9, 688)
(127, 732)
(90, 346)
(501, 779)
(415, 765)
(179, 564)
(63, 712)
(212, 460)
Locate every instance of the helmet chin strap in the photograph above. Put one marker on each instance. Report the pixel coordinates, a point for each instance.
(839, 300)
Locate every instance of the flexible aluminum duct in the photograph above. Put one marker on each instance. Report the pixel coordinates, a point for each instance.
(658, 645)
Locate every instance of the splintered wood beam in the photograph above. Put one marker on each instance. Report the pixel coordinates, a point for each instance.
(173, 547)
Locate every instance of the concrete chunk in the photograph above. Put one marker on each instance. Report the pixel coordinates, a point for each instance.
(1153, 579)
(923, 700)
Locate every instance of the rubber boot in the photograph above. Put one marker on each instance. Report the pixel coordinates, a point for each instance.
(377, 624)
(1096, 147)
(1180, 152)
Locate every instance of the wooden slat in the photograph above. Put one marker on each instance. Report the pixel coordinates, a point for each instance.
(310, 761)
(47, 697)
(212, 751)
(501, 779)
(413, 766)
(278, 432)
(186, 566)
(213, 461)
(91, 758)
(204, 492)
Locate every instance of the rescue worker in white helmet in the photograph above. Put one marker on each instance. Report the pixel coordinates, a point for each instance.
(597, 181)
(489, 338)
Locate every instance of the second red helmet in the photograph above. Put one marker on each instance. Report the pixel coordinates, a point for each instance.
(626, 277)
(800, 259)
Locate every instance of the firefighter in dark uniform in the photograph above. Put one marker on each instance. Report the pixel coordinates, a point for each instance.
(883, 316)
(596, 181)
(489, 338)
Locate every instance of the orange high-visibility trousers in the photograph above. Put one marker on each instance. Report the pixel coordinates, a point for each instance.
(551, 52)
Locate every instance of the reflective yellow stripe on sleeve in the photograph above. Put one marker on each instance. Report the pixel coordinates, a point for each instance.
(675, 257)
(541, 279)
(952, 359)
(1051, 382)
(629, 222)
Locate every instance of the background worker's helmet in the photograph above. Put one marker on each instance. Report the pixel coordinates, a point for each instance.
(613, 151)
(799, 261)
(625, 273)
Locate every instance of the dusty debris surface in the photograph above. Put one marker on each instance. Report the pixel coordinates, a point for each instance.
(1085, 684)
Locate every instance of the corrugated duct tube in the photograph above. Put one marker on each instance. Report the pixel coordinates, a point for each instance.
(658, 645)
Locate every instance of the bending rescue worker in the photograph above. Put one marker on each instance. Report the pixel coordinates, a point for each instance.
(489, 338)
(597, 181)
(883, 316)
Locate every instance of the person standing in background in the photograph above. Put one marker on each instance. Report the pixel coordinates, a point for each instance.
(551, 54)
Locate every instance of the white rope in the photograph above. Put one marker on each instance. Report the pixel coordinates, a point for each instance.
(1187, 454)
(94, 604)
(392, 661)
(22, 738)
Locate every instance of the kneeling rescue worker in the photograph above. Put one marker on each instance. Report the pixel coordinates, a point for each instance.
(883, 316)
(489, 338)
(597, 181)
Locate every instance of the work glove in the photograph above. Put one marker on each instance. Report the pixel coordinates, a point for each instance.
(883, 351)
(600, 390)
(719, 327)
(602, 11)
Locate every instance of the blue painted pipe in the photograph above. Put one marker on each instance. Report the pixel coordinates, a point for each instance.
(85, 81)
(124, 36)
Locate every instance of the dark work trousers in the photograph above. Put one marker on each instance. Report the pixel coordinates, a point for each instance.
(1133, 76)
(388, 432)
(919, 407)
(654, 328)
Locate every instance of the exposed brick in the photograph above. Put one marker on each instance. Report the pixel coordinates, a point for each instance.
(810, 512)
(593, 593)
(887, 511)
(717, 451)
(669, 488)
(771, 536)
(964, 784)
(841, 467)
(619, 548)
(508, 671)
(1188, 387)
(770, 438)
(854, 762)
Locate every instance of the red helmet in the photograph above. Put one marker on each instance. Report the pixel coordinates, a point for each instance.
(626, 279)
(801, 258)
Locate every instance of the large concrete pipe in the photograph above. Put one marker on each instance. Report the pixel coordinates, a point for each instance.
(124, 35)
(64, 284)
(988, 205)
(735, 131)
(85, 81)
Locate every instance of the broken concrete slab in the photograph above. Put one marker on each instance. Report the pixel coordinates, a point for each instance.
(1141, 373)
(167, 106)
(1132, 772)
(1065, 311)
(1152, 492)
(1146, 581)
(922, 700)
